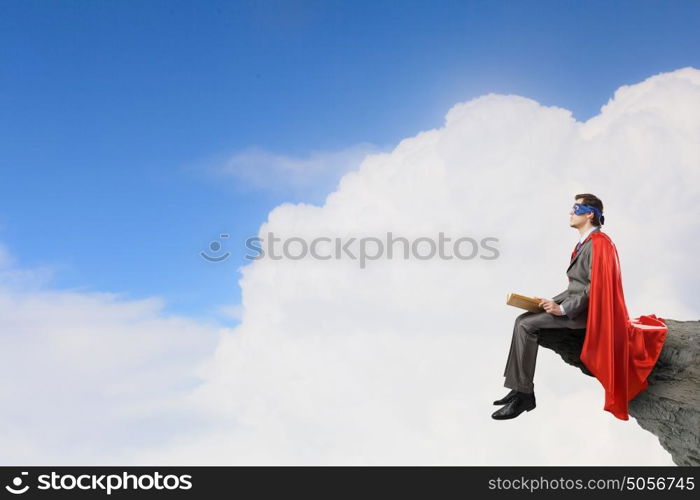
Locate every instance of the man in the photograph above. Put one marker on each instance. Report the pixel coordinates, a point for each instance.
(566, 310)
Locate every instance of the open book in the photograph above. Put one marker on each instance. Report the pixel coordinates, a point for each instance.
(524, 302)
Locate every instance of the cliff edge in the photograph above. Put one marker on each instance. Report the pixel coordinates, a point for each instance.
(670, 407)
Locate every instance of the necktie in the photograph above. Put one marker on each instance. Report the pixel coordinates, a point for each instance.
(573, 254)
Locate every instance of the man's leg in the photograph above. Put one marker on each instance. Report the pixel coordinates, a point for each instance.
(522, 358)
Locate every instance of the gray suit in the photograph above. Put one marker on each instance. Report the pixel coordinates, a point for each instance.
(520, 366)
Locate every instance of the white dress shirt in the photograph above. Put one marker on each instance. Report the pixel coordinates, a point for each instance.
(583, 237)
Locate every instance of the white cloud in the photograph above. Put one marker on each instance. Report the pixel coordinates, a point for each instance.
(397, 363)
(12, 275)
(86, 376)
(306, 177)
(234, 311)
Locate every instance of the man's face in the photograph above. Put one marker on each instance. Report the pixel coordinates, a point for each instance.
(578, 221)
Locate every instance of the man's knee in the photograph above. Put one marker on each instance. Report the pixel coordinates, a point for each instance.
(532, 322)
(522, 316)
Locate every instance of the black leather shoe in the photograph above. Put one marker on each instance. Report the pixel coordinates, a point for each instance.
(507, 398)
(521, 402)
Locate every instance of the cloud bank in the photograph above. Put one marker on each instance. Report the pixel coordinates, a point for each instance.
(86, 378)
(398, 363)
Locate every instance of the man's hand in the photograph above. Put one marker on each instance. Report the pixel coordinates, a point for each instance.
(550, 306)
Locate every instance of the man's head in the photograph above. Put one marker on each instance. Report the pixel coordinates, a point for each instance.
(590, 211)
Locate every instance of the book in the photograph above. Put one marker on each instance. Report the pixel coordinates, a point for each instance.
(524, 302)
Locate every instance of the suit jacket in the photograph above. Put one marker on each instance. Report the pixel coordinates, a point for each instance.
(575, 297)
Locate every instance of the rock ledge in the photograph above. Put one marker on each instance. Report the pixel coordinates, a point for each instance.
(670, 407)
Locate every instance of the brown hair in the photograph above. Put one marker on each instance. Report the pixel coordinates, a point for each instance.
(594, 201)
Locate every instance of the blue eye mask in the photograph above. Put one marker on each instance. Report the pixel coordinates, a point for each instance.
(580, 209)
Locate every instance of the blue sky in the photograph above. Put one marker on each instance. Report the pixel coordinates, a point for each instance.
(115, 113)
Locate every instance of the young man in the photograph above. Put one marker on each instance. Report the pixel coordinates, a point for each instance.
(569, 309)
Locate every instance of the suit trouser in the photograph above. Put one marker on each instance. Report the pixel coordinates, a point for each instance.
(520, 366)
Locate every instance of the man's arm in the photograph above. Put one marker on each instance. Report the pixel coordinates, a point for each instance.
(559, 298)
(577, 304)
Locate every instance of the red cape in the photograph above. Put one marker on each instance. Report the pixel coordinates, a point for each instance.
(618, 351)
